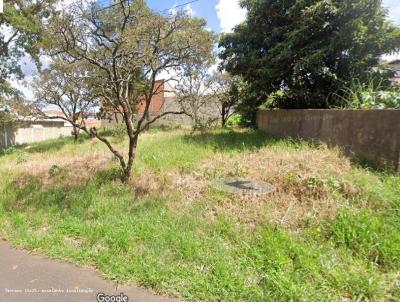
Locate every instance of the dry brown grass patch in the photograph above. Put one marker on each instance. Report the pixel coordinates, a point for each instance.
(71, 171)
(311, 185)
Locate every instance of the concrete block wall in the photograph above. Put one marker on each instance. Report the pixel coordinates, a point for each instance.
(9, 137)
(370, 134)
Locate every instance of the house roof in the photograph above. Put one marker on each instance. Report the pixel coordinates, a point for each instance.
(54, 113)
(30, 118)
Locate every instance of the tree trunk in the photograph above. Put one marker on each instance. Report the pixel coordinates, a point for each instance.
(223, 117)
(76, 133)
(131, 157)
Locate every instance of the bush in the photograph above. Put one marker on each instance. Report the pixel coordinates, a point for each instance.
(119, 131)
(235, 120)
(22, 157)
(371, 95)
(55, 170)
(8, 151)
(273, 100)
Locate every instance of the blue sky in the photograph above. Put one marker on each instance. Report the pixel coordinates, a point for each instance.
(229, 10)
(222, 15)
(202, 8)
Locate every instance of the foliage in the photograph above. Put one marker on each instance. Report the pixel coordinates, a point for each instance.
(204, 96)
(65, 86)
(55, 170)
(118, 132)
(272, 100)
(246, 101)
(370, 95)
(21, 29)
(22, 157)
(222, 84)
(125, 48)
(307, 49)
(196, 97)
(8, 151)
(234, 120)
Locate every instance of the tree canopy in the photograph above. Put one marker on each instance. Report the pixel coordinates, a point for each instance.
(126, 48)
(21, 29)
(66, 87)
(307, 50)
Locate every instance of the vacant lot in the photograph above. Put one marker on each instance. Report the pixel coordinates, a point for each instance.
(330, 232)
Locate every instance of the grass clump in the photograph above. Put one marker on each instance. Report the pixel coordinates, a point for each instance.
(373, 237)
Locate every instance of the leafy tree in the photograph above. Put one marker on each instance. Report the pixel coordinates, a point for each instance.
(66, 87)
(205, 97)
(221, 85)
(21, 29)
(126, 47)
(308, 49)
(245, 99)
(195, 99)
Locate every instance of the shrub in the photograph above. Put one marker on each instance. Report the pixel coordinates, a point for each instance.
(22, 157)
(235, 120)
(371, 95)
(8, 151)
(55, 170)
(119, 131)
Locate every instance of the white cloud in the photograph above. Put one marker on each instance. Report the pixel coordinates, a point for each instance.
(230, 14)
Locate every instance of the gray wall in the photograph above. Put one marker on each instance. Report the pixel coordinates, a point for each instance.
(9, 137)
(370, 134)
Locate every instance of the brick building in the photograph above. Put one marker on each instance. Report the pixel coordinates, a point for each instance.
(162, 101)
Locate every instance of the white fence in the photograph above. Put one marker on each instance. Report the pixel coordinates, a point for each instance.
(21, 136)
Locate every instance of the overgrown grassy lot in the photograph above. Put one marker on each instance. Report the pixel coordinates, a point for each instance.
(330, 233)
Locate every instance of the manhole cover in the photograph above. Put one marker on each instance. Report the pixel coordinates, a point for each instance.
(243, 186)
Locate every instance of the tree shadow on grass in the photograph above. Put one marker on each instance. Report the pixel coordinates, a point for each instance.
(31, 194)
(231, 140)
(53, 145)
(44, 146)
(370, 165)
